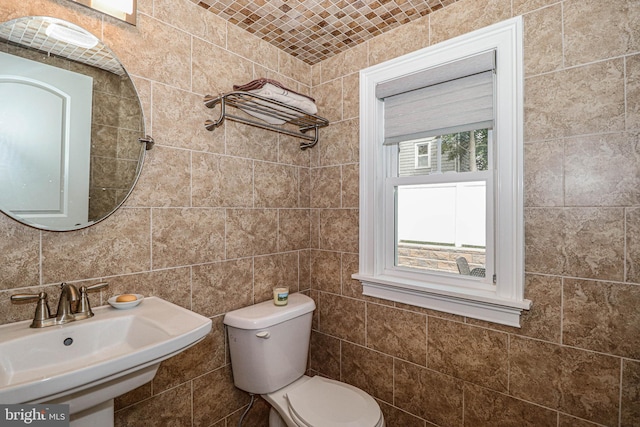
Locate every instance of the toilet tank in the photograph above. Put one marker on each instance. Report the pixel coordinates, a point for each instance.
(269, 344)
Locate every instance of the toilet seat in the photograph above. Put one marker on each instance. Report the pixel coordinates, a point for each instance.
(321, 402)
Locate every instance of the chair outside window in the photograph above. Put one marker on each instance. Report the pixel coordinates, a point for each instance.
(463, 268)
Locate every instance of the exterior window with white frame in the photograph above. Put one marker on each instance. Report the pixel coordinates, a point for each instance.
(447, 236)
(422, 152)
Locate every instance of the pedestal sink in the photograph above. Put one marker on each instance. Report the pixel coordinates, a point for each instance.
(87, 363)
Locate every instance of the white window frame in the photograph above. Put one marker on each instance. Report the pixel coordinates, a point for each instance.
(418, 156)
(462, 295)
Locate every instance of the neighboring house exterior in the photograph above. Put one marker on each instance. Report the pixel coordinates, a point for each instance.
(420, 156)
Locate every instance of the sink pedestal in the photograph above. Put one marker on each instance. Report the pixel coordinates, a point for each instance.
(97, 416)
(93, 406)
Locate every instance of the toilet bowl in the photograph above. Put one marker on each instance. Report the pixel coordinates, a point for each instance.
(322, 402)
(269, 346)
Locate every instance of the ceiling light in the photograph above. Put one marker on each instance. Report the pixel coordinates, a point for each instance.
(72, 36)
(125, 6)
(124, 10)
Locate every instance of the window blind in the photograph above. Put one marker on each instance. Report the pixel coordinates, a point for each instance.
(453, 97)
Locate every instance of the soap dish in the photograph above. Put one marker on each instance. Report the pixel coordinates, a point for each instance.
(125, 305)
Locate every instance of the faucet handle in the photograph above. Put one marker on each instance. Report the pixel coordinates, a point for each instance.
(96, 286)
(84, 307)
(26, 297)
(42, 316)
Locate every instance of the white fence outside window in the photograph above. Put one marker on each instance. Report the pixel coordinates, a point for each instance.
(448, 214)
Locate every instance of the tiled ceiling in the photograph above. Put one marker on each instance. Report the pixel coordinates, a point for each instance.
(314, 30)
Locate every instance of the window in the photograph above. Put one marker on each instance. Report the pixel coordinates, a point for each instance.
(445, 232)
(422, 152)
(440, 219)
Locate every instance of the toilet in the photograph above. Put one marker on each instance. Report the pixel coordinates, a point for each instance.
(269, 345)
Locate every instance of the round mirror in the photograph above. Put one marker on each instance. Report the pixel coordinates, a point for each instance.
(71, 126)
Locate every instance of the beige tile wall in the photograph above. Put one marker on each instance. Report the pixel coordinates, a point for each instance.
(207, 229)
(576, 359)
(216, 221)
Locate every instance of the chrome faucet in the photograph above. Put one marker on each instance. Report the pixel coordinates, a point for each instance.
(72, 305)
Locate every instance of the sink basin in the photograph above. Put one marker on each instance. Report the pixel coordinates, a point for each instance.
(87, 362)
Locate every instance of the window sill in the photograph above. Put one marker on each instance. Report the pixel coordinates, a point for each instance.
(477, 304)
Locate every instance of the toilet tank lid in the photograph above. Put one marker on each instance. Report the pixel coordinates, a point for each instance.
(266, 314)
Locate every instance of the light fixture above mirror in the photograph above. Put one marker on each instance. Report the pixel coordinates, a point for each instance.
(124, 10)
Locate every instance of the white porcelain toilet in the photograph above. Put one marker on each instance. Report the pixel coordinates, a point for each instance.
(269, 346)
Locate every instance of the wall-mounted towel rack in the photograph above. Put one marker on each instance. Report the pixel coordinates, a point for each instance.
(273, 111)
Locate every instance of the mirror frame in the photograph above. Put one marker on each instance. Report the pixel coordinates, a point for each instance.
(145, 140)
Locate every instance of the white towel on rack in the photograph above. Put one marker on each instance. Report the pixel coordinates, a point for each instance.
(287, 97)
(284, 96)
